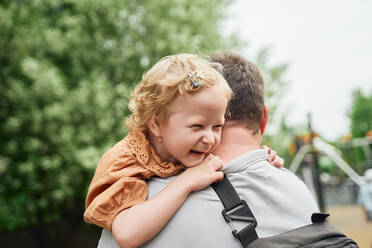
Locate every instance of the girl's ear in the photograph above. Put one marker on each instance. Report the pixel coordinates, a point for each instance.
(153, 124)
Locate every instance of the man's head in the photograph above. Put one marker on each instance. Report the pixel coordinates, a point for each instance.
(246, 108)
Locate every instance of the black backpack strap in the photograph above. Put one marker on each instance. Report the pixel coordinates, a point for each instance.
(236, 209)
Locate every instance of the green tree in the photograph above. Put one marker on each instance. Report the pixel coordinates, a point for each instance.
(66, 70)
(361, 114)
(278, 135)
(276, 85)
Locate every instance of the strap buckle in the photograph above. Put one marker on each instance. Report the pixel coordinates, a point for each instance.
(240, 212)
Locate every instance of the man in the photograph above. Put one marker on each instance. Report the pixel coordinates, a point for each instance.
(278, 199)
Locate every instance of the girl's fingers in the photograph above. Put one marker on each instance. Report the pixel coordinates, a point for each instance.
(219, 175)
(217, 163)
(272, 155)
(273, 158)
(278, 162)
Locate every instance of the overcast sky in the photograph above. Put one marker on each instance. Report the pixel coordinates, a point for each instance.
(328, 46)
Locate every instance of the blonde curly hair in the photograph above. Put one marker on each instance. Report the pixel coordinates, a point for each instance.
(167, 79)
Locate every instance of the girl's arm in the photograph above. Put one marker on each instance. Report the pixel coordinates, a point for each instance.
(134, 226)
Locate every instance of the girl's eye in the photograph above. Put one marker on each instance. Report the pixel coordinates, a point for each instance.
(197, 126)
(217, 127)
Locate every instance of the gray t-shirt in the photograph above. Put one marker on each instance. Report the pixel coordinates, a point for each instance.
(277, 198)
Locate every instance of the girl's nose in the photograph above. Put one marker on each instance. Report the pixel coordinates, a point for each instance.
(208, 138)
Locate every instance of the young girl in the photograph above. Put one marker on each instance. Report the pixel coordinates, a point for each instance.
(177, 115)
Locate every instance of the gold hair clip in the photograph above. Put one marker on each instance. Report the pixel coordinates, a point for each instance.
(194, 79)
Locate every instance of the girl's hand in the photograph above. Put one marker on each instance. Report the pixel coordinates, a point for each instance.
(204, 174)
(274, 159)
(136, 225)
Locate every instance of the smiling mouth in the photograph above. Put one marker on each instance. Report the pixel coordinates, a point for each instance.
(196, 152)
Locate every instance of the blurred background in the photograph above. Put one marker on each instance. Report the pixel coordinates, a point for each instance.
(67, 68)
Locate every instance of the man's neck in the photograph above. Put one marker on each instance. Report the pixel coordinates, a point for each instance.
(236, 141)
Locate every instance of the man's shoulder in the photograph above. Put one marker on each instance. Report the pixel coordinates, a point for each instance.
(265, 177)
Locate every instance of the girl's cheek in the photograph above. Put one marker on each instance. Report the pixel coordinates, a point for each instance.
(218, 139)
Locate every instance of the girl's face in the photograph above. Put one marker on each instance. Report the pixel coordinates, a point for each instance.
(194, 128)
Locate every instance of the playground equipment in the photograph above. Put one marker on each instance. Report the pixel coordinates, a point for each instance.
(332, 153)
(308, 154)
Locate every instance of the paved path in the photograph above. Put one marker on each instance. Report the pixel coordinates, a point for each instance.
(352, 221)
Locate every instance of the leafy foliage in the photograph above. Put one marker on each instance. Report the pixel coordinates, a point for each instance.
(361, 114)
(359, 155)
(67, 68)
(276, 85)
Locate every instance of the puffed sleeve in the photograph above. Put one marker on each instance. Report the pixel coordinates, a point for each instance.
(117, 184)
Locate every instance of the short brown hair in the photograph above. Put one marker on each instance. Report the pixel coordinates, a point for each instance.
(167, 79)
(246, 106)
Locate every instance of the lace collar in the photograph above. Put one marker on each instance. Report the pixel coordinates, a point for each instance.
(147, 156)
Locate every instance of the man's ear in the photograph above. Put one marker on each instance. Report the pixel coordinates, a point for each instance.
(153, 124)
(264, 119)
